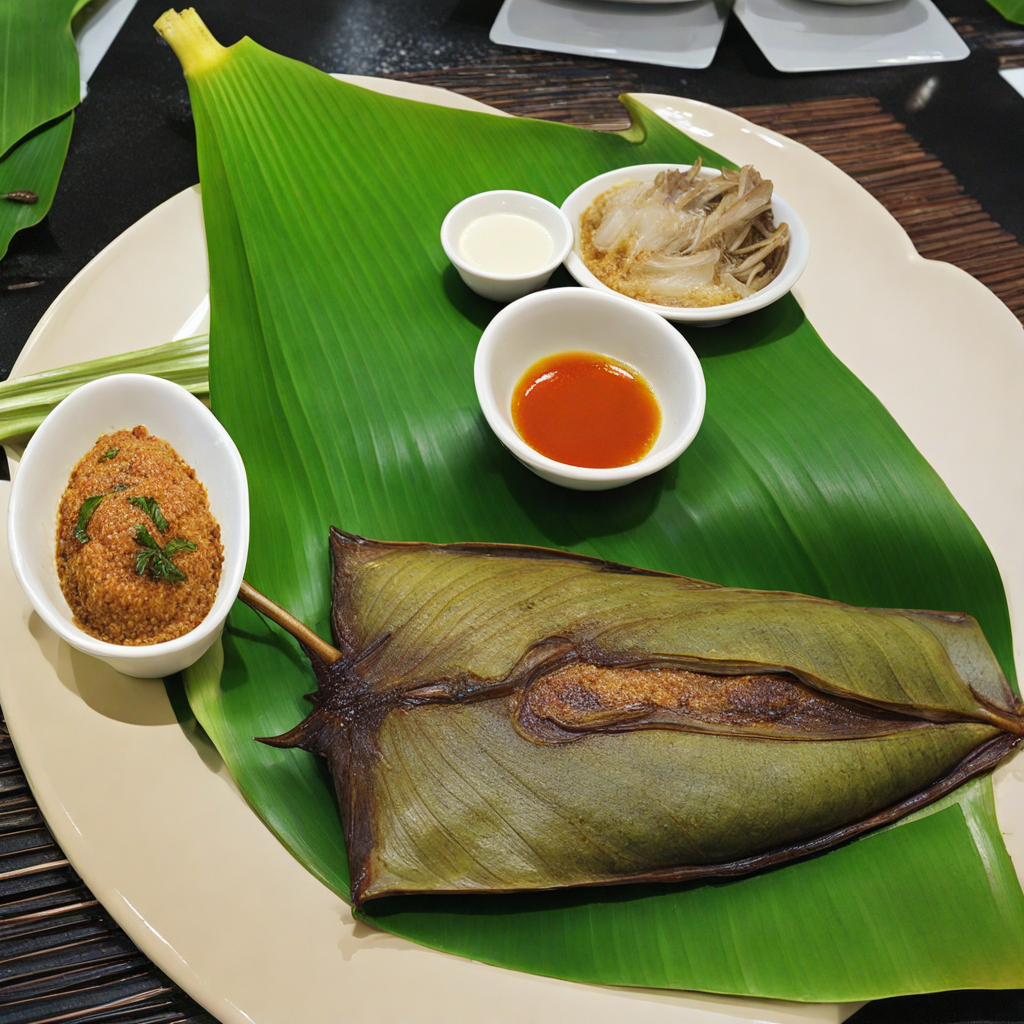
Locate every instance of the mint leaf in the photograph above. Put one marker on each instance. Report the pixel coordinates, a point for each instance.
(142, 560)
(162, 568)
(155, 560)
(172, 547)
(142, 536)
(152, 509)
(84, 515)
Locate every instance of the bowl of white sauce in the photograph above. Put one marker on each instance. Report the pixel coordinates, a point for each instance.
(506, 244)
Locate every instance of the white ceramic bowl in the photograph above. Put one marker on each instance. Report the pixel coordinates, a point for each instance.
(711, 316)
(100, 407)
(575, 319)
(506, 287)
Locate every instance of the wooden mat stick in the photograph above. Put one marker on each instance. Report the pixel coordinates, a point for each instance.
(257, 601)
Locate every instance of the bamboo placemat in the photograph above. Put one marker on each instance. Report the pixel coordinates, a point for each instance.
(1000, 38)
(62, 958)
(877, 151)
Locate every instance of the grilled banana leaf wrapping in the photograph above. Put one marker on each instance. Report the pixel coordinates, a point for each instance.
(506, 718)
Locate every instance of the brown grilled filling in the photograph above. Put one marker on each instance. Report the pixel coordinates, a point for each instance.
(578, 698)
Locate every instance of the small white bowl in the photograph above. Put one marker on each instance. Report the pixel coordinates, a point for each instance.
(506, 287)
(575, 319)
(114, 403)
(581, 199)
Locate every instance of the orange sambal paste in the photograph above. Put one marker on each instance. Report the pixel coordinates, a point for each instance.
(585, 409)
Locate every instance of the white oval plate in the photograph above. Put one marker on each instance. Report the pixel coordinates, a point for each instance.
(155, 826)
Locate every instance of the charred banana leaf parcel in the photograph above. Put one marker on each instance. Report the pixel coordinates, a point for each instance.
(508, 718)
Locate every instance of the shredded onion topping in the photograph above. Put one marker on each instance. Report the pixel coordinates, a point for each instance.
(686, 240)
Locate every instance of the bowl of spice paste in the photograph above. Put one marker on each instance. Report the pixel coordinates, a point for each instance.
(129, 524)
(588, 390)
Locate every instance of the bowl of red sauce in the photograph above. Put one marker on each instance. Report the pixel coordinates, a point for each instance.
(587, 389)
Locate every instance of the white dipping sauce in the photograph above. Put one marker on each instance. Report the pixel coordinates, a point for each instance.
(505, 243)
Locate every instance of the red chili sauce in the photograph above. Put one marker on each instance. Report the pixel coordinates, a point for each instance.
(585, 409)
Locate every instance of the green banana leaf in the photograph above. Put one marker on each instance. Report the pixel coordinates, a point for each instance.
(39, 76)
(1011, 10)
(39, 66)
(35, 164)
(341, 361)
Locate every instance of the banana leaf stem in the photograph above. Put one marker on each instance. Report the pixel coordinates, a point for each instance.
(259, 602)
(190, 39)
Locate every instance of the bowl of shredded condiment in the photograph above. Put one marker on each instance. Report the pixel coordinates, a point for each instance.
(692, 244)
(129, 524)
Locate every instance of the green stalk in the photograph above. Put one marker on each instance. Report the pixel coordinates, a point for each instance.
(26, 401)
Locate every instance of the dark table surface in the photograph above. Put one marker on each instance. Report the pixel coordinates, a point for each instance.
(134, 146)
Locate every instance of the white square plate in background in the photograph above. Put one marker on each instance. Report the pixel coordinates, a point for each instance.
(806, 35)
(679, 35)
